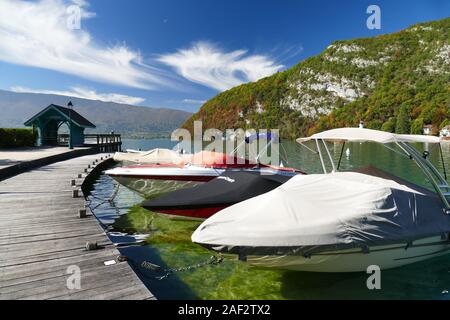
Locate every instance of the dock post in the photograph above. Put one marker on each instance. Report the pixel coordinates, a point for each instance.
(75, 193)
(82, 213)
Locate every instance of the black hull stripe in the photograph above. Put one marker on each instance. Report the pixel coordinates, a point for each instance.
(315, 251)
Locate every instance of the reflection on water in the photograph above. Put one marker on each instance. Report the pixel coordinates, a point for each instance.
(169, 245)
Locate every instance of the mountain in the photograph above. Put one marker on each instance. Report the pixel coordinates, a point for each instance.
(395, 82)
(130, 121)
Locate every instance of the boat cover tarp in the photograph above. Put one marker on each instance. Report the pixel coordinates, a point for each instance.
(229, 188)
(212, 158)
(154, 156)
(316, 213)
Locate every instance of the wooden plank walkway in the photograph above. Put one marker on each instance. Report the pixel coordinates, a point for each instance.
(11, 157)
(41, 236)
(17, 161)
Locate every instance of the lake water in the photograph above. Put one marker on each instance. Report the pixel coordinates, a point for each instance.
(169, 246)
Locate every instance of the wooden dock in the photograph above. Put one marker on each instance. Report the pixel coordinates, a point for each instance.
(42, 240)
(16, 161)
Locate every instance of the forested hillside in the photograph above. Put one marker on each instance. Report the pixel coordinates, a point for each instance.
(396, 82)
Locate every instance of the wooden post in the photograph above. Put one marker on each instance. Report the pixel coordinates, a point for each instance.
(90, 246)
(75, 193)
(82, 213)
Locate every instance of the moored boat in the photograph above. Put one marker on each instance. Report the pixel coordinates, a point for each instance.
(153, 180)
(205, 200)
(339, 221)
(155, 156)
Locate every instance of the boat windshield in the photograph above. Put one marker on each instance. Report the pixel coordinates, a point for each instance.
(400, 156)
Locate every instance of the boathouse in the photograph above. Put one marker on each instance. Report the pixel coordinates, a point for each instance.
(49, 121)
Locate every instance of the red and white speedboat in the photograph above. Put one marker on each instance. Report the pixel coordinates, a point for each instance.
(152, 180)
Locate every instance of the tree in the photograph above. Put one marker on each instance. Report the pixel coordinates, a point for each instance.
(417, 126)
(403, 121)
(444, 123)
(389, 126)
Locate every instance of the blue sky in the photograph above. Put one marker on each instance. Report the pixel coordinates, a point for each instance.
(176, 53)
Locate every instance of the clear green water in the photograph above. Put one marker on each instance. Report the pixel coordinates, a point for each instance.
(168, 245)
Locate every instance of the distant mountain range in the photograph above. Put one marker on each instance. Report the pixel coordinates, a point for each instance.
(397, 82)
(130, 121)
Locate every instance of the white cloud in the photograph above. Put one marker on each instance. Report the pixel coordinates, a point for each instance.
(194, 101)
(77, 92)
(36, 34)
(210, 66)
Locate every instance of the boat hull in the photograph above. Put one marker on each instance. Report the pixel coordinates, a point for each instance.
(198, 213)
(385, 257)
(152, 181)
(224, 191)
(152, 188)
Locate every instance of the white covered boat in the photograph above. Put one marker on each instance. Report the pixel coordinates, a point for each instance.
(339, 221)
(155, 156)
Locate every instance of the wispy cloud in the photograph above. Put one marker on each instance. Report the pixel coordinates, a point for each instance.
(83, 93)
(206, 64)
(194, 101)
(286, 53)
(37, 34)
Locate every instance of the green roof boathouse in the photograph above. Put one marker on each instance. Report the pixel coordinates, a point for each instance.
(48, 122)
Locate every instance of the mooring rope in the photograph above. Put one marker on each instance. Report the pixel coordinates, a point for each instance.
(212, 261)
(111, 199)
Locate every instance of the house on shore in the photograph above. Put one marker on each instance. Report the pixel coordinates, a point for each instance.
(445, 132)
(428, 130)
